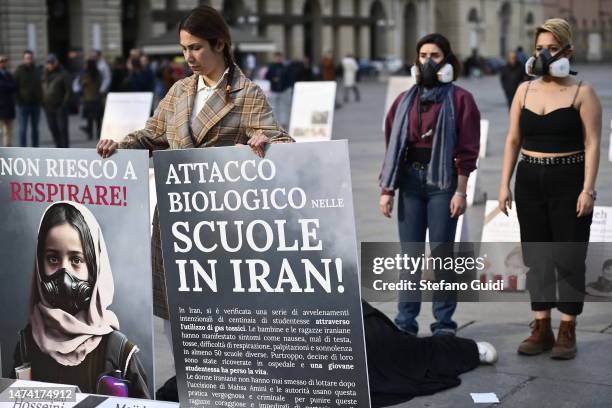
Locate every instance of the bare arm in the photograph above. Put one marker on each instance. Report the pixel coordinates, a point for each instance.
(511, 149)
(590, 113)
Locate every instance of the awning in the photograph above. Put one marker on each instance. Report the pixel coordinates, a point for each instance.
(168, 43)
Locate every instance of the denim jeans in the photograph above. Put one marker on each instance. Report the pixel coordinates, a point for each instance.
(281, 106)
(25, 112)
(420, 207)
(58, 125)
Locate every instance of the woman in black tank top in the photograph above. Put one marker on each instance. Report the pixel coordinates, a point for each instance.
(555, 123)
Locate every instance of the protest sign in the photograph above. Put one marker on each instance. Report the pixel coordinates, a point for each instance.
(75, 265)
(261, 271)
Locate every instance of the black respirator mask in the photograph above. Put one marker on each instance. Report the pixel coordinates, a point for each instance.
(431, 74)
(65, 291)
(547, 64)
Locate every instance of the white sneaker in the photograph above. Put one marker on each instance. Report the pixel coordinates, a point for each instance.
(486, 352)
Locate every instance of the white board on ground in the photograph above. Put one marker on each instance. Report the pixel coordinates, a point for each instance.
(484, 135)
(312, 111)
(395, 86)
(124, 113)
(499, 228)
(471, 188)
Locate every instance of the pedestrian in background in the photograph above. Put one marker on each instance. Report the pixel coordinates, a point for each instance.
(118, 75)
(137, 79)
(90, 83)
(57, 92)
(511, 76)
(432, 133)
(349, 77)
(555, 123)
(7, 102)
(105, 72)
(29, 98)
(328, 69)
(520, 55)
(277, 75)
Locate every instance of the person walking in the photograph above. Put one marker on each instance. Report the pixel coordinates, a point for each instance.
(277, 75)
(349, 77)
(90, 83)
(57, 91)
(432, 134)
(511, 76)
(7, 102)
(328, 69)
(555, 124)
(28, 98)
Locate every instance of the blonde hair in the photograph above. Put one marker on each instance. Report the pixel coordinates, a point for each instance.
(559, 28)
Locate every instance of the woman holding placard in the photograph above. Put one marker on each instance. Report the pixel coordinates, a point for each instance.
(216, 106)
(555, 123)
(432, 134)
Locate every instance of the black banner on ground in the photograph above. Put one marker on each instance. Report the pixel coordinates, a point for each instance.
(261, 269)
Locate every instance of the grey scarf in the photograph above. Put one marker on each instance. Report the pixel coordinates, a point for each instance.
(440, 169)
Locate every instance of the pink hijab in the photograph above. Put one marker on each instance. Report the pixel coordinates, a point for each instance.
(66, 338)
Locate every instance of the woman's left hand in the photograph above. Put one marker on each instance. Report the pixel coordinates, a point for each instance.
(585, 204)
(457, 206)
(258, 143)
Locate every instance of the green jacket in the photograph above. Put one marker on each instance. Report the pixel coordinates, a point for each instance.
(90, 87)
(29, 85)
(57, 89)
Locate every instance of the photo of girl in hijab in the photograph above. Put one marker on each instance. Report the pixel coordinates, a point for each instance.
(71, 336)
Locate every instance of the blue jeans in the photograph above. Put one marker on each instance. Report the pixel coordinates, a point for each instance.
(25, 112)
(421, 206)
(58, 125)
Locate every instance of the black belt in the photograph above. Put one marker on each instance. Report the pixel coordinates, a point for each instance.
(554, 161)
(418, 165)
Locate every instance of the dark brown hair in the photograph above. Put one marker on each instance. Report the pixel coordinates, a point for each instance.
(444, 45)
(207, 23)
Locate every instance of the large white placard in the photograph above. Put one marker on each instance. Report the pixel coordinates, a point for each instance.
(395, 86)
(484, 136)
(124, 113)
(312, 111)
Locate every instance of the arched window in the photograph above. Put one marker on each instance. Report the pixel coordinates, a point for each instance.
(529, 18)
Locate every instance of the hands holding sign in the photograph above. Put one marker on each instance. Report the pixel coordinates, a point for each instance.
(258, 143)
(106, 147)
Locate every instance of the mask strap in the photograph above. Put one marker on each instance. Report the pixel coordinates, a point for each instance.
(558, 55)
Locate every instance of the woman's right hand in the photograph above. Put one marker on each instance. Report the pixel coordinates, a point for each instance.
(106, 147)
(505, 200)
(386, 205)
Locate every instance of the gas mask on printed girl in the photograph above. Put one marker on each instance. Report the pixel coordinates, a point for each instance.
(547, 64)
(64, 291)
(431, 74)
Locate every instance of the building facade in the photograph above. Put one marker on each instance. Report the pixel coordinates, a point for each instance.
(592, 24)
(373, 29)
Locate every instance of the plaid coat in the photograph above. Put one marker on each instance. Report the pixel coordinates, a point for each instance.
(217, 124)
